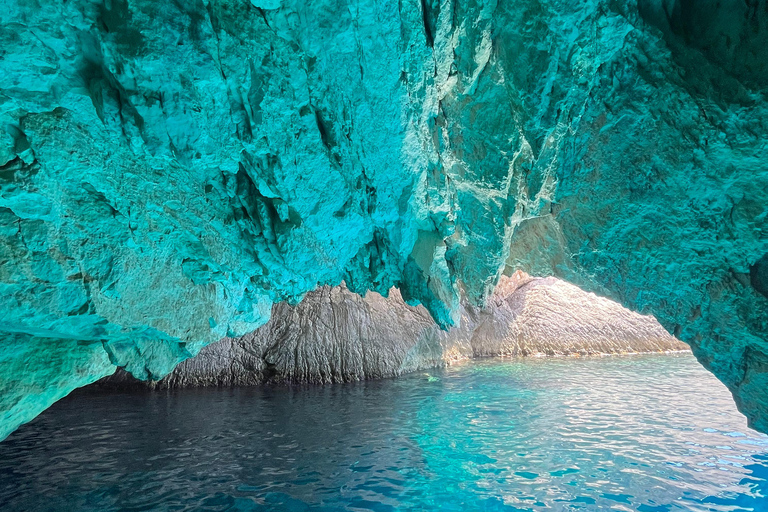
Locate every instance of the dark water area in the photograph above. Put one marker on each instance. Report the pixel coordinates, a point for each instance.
(645, 433)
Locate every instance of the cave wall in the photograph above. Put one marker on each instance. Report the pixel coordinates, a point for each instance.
(169, 170)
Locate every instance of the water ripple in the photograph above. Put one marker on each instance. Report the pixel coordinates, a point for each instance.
(645, 433)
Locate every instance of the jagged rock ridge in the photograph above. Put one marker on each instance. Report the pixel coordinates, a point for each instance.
(335, 335)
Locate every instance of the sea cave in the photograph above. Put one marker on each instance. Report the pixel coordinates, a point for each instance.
(384, 255)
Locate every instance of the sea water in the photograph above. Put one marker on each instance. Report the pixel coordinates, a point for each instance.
(632, 433)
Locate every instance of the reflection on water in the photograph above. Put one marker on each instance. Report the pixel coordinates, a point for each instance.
(647, 433)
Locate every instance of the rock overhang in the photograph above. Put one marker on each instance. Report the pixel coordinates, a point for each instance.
(169, 171)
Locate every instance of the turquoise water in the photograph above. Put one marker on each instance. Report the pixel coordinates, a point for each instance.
(646, 433)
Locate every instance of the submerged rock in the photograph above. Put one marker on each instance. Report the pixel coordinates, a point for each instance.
(170, 170)
(335, 335)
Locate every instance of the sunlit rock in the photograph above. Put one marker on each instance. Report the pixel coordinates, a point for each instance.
(335, 335)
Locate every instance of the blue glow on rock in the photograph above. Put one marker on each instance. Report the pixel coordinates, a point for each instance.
(169, 170)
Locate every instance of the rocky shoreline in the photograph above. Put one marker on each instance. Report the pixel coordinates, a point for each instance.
(335, 335)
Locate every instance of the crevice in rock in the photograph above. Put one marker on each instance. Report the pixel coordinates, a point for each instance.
(429, 16)
(758, 276)
(325, 136)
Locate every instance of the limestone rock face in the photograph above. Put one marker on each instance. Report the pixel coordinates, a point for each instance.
(335, 335)
(170, 170)
(548, 316)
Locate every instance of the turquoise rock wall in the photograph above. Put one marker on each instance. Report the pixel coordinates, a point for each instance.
(169, 170)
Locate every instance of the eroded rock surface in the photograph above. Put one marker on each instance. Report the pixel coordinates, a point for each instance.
(335, 335)
(170, 170)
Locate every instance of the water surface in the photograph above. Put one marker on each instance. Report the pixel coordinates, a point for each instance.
(646, 433)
